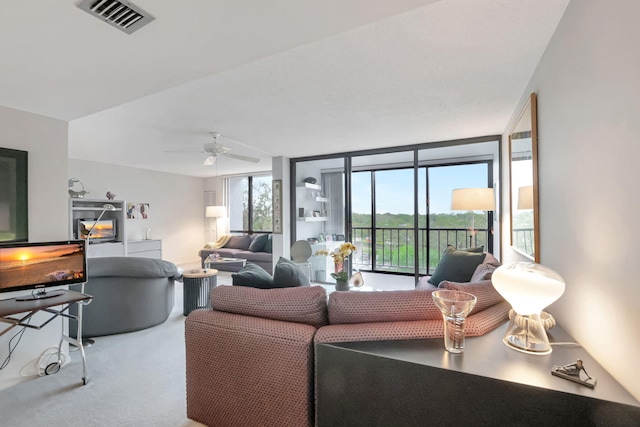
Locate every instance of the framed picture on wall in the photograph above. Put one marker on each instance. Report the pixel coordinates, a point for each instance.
(14, 210)
(276, 199)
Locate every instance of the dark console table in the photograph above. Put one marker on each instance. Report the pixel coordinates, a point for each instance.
(418, 383)
(16, 312)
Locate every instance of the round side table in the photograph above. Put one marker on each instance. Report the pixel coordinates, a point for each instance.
(196, 287)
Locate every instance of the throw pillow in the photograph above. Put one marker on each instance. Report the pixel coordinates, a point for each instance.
(492, 260)
(239, 242)
(286, 274)
(456, 265)
(258, 243)
(268, 246)
(252, 275)
(483, 271)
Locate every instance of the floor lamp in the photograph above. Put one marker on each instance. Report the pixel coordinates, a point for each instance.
(473, 199)
(88, 342)
(216, 212)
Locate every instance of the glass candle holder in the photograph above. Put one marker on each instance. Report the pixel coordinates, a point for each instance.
(455, 307)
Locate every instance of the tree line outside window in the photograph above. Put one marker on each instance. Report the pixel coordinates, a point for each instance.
(250, 205)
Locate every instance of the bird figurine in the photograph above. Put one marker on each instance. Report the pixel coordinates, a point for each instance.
(110, 195)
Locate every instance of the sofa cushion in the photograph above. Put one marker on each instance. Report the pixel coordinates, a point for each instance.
(492, 260)
(257, 242)
(268, 246)
(306, 305)
(286, 274)
(254, 276)
(456, 265)
(387, 306)
(228, 252)
(239, 242)
(484, 291)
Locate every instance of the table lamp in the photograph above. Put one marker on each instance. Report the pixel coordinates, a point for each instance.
(525, 197)
(473, 199)
(529, 288)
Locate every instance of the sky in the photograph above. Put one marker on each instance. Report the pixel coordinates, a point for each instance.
(36, 252)
(395, 188)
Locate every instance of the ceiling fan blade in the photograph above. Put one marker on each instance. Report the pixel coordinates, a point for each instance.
(240, 157)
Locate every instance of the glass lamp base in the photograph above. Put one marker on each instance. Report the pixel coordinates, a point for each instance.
(527, 334)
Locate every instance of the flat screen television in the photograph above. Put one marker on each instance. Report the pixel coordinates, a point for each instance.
(104, 230)
(37, 266)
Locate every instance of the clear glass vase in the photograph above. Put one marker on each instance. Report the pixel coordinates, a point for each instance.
(455, 307)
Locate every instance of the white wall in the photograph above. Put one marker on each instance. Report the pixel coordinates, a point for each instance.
(45, 140)
(176, 204)
(588, 90)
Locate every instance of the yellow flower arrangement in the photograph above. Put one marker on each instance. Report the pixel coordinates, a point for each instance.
(339, 256)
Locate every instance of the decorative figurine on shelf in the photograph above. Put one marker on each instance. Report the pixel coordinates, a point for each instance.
(572, 372)
(73, 193)
(110, 195)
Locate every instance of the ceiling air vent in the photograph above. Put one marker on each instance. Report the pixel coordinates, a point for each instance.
(121, 14)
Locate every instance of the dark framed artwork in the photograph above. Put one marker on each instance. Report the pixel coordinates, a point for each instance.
(276, 198)
(14, 211)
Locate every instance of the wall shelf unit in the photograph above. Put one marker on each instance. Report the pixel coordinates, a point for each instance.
(310, 186)
(90, 209)
(312, 202)
(312, 218)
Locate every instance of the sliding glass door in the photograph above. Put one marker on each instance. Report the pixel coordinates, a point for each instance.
(447, 226)
(383, 212)
(395, 205)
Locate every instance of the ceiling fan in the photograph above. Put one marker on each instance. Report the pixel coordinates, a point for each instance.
(215, 149)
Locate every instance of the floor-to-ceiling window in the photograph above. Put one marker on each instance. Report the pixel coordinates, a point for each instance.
(395, 204)
(250, 208)
(447, 226)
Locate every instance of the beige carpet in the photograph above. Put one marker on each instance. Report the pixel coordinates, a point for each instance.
(135, 379)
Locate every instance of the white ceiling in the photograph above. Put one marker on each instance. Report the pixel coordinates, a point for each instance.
(276, 78)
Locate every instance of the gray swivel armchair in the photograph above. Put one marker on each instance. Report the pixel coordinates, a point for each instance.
(129, 294)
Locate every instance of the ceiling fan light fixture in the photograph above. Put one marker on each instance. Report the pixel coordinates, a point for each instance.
(210, 160)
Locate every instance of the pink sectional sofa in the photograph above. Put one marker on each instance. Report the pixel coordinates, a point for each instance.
(250, 359)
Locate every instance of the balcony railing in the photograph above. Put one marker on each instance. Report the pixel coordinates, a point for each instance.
(523, 238)
(395, 247)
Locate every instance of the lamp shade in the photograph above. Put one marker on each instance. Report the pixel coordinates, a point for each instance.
(525, 197)
(216, 212)
(529, 288)
(473, 199)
